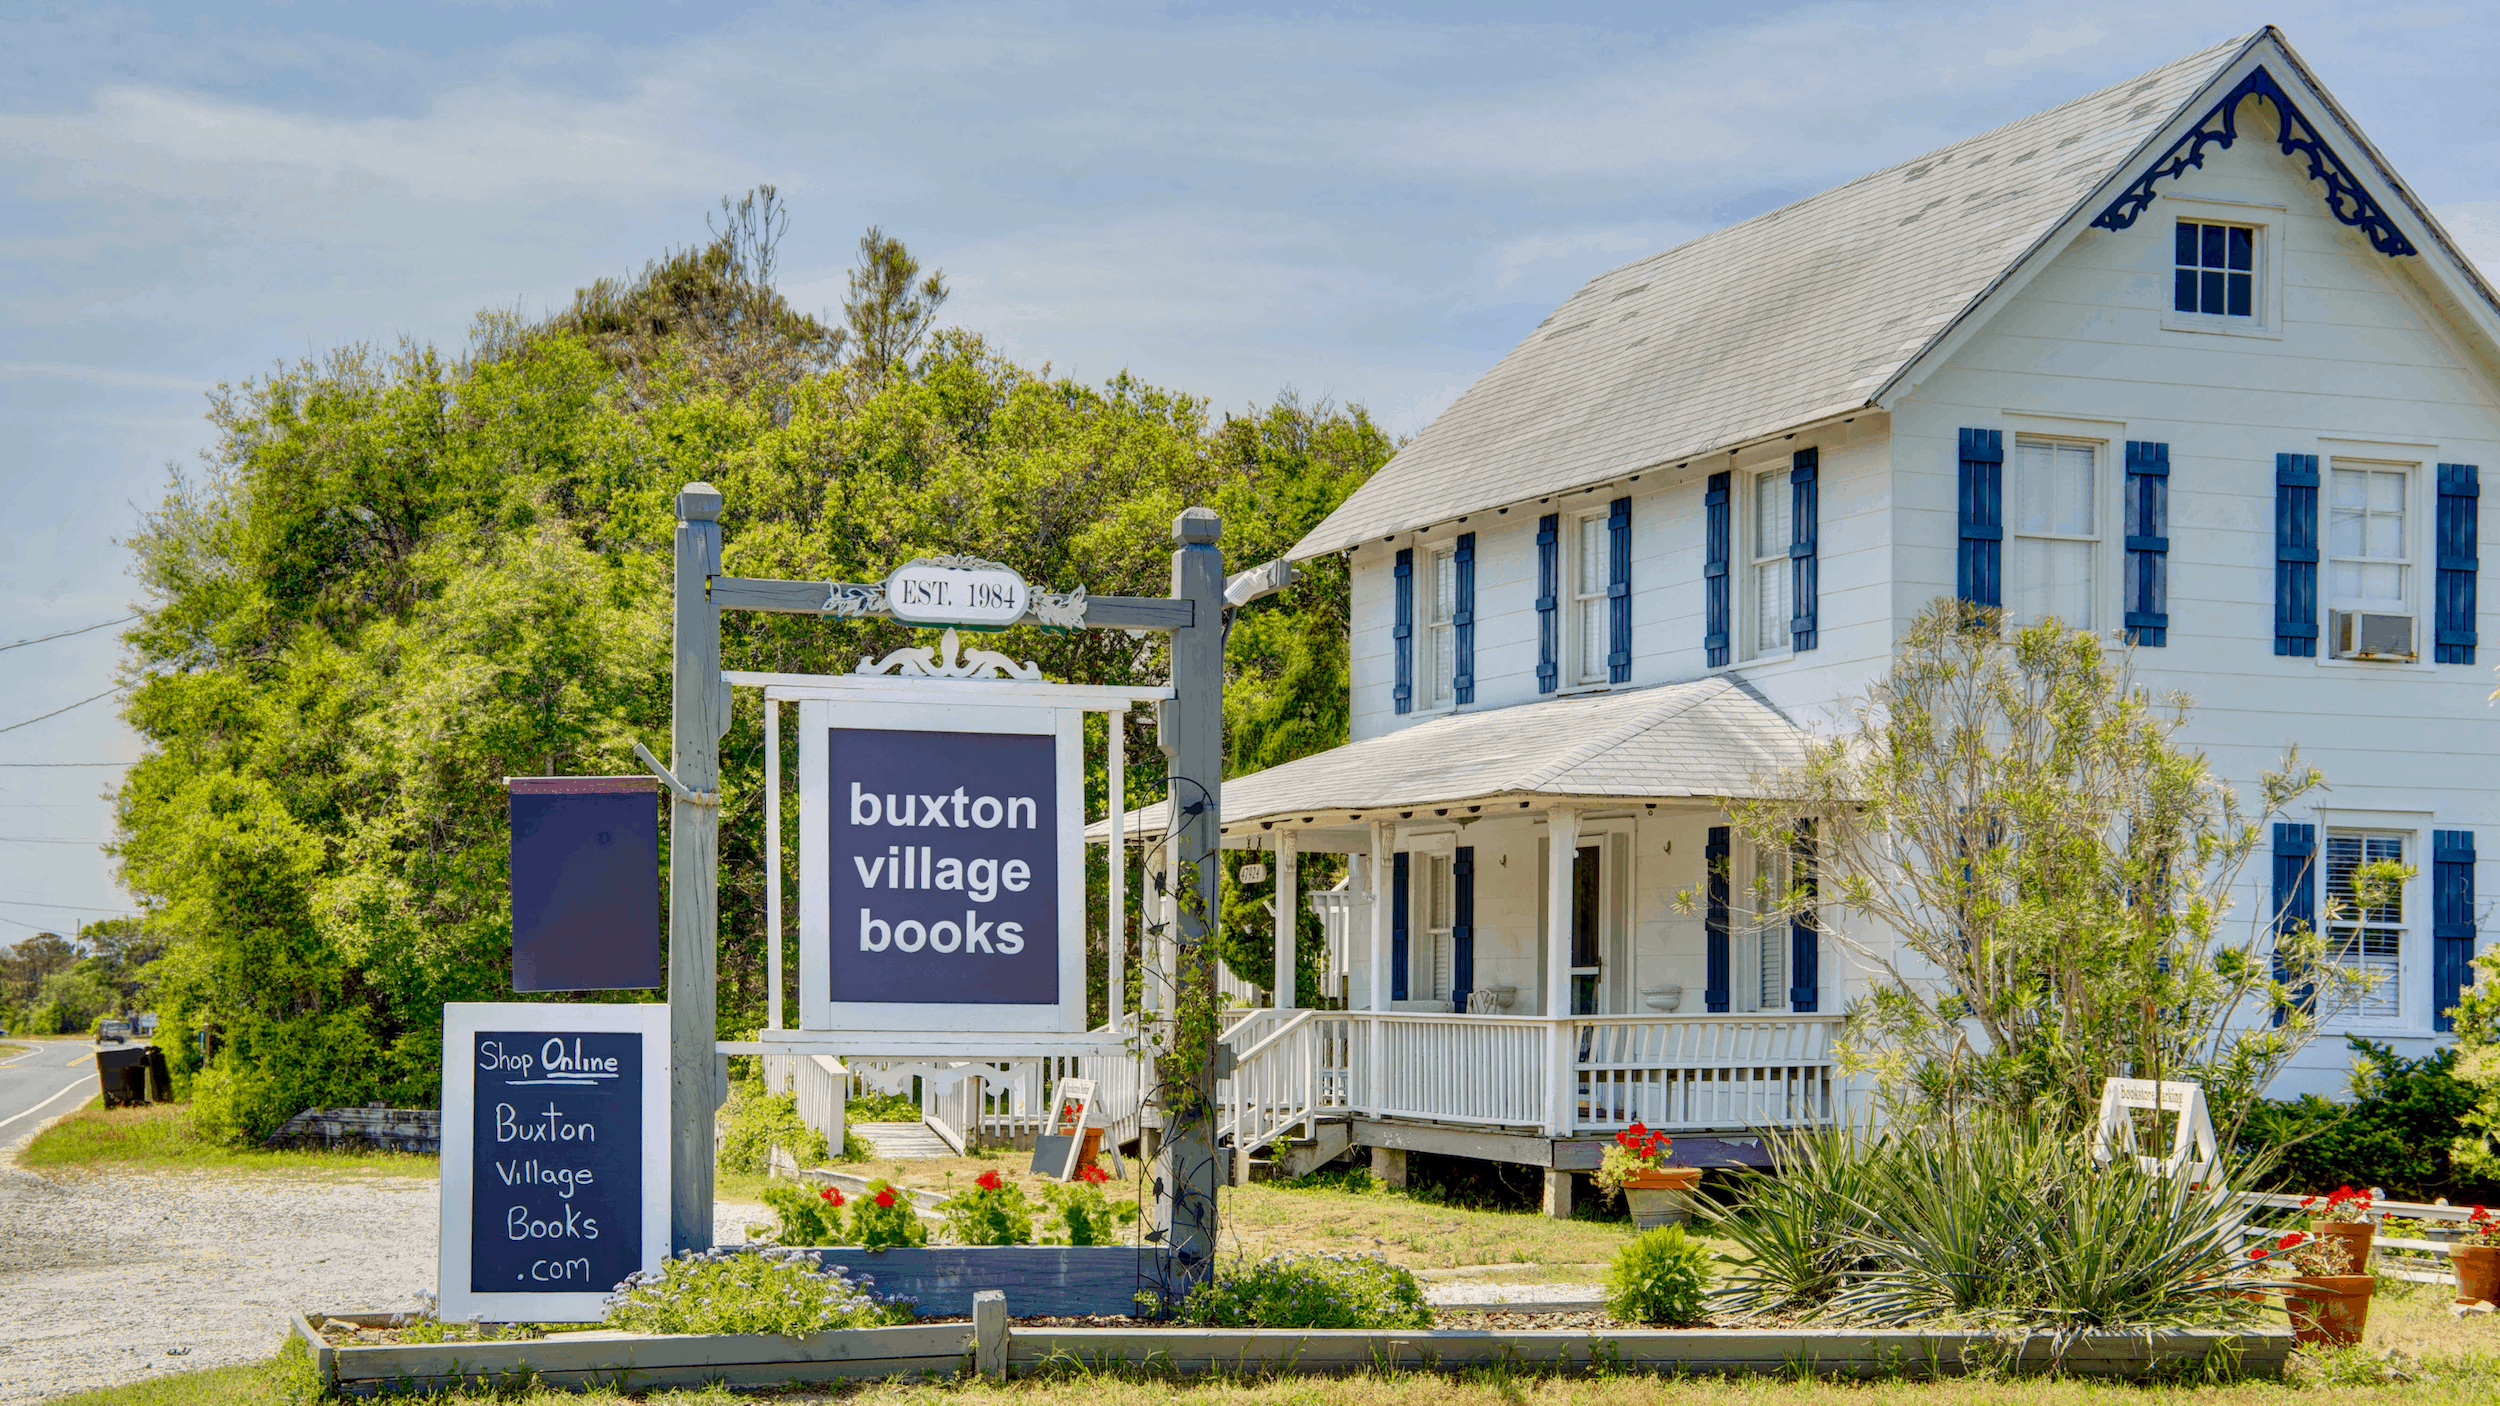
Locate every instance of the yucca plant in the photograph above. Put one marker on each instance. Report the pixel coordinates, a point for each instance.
(1800, 1228)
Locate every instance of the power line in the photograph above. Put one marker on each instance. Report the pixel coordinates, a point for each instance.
(65, 634)
(34, 764)
(81, 703)
(34, 840)
(73, 907)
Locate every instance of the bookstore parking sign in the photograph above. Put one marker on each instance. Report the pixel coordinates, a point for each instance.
(940, 877)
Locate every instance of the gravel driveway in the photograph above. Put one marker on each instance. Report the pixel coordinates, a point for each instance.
(107, 1280)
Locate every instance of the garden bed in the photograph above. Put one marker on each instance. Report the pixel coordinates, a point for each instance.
(601, 1357)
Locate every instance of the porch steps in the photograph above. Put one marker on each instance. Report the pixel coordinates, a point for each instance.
(904, 1141)
(1304, 1156)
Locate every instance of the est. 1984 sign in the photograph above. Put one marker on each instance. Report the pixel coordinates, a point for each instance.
(956, 591)
(555, 1157)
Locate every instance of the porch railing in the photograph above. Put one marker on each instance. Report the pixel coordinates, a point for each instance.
(1587, 1074)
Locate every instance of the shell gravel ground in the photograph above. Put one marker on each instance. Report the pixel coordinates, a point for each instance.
(107, 1280)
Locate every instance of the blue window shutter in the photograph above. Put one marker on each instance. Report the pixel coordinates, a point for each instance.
(1397, 927)
(1619, 591)
(1462, 928)
(1801, 566)
(2460, 497)
(2296, 555)
(1403, 633)
(1714, 922)
(1714, 631)
(1463, 618)
(2147, 582)
(2295, 900)
(1978, 575)
(1805, 955)
(1548, 602)
(2452, 922)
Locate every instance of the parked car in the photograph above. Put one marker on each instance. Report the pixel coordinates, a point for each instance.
(113, 1032)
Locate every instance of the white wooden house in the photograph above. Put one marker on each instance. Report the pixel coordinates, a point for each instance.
(2184, 359)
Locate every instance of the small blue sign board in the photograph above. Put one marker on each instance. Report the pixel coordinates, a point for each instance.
(585, 883)
(555, 1170)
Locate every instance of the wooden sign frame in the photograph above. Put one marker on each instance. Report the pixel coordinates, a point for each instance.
(2192, 1148)
(1061, 1140)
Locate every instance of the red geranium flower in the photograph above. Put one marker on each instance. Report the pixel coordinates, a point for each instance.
(1090, 1172)
(886, 1197)
(987, 1181)
(2290, 1239)
(831, 1196)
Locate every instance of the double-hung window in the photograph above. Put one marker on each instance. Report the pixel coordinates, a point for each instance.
(2054, 504)
(1434, 980)
(1771, 529)
(2371, 939)
(1441, 628)
(1765, 975)
(2214, 270)
(2369, 563)
(1588, 600)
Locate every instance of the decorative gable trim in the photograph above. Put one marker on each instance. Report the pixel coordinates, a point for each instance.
(2346, 200)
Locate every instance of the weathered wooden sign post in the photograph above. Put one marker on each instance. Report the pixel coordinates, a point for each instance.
(923, 972)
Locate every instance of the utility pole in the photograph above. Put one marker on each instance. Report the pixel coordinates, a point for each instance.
(700, 717)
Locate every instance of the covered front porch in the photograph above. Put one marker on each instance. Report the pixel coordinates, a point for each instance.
(1474, 1006)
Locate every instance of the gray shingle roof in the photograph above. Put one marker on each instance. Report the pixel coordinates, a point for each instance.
(1713, 737)
(1776, 322)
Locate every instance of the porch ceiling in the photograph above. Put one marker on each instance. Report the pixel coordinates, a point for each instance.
(1710, 738)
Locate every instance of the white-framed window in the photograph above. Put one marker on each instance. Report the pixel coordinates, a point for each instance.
(1440, 627)
(2053, 515)
(1433, 972)
(1770, 526)
(2372, 939)
(1761, 967)
(1591, 557)
(2369, 542)
(2214, 269)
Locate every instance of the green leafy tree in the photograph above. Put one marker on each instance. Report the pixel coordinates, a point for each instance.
(2054, 871)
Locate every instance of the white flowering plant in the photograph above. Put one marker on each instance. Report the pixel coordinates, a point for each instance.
(752, 1289)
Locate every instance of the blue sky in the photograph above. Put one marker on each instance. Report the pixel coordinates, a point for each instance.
(1366, 202)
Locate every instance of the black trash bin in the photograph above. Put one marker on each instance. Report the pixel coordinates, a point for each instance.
(123, 1074)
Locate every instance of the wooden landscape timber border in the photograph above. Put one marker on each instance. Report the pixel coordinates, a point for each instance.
(993, 1347)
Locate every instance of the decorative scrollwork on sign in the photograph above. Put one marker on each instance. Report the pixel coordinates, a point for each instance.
(850, 600)
(1059, 610)
(2346, 200)
(922, 662)
(939, 1078)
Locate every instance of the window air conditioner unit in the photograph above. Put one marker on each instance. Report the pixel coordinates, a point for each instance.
(2358, 634)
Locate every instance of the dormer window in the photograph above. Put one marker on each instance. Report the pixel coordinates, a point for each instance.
(2216, 273)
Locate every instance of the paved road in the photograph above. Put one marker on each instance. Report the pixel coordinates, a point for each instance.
(38, 1083)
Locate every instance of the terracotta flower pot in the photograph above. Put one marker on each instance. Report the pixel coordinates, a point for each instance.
(1658, 1196)
(2478, 1272)
(2353, 1235)
(2331, 1309)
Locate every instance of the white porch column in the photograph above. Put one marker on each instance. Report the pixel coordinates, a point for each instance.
(1288, 911)
(1562, 835)
(1379, 1043)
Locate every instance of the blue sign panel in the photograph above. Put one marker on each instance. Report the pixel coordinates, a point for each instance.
(557, 1161)
(585, 883)
(944, 867)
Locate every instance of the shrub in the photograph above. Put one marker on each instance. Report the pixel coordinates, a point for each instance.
(1310, 1291)
(2395, 1133)
(1798, 1229)
(1659, 1276)
(808, 1217)
(756, 1122)
(993, 1212)
(1081, 1214)
(883, 1216)
(749, 1290)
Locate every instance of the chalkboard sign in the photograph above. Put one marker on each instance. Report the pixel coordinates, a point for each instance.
(585, 882)
(555, 1157)
(941, 871)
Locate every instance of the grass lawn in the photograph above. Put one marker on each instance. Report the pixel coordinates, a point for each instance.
(160, 1137)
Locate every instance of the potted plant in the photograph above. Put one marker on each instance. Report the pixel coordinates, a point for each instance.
(2477, 1258)
(2328, 1299)
(1637, 1167)
(2344, 1215)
